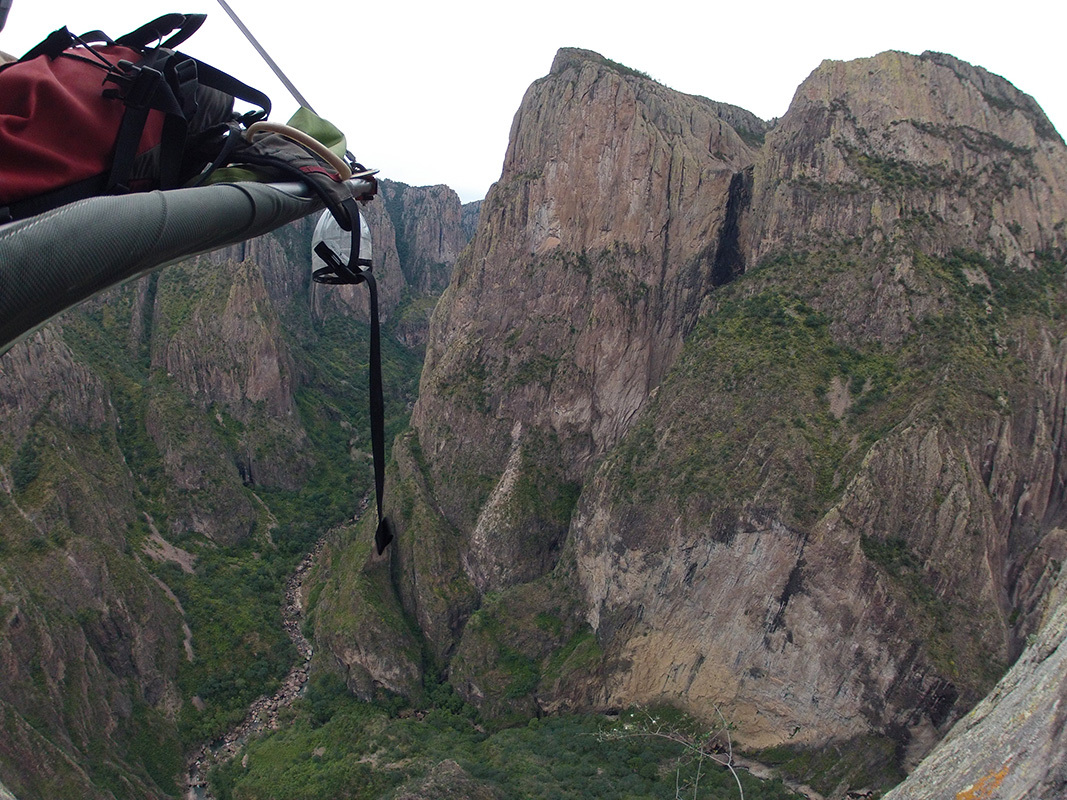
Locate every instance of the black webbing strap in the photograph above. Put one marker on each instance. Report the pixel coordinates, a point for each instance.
(148, 86)
(384, 533)
(185, 26)
(52, 46)
(224, 82)
(126, 141)
(38, 204)
(338, 272)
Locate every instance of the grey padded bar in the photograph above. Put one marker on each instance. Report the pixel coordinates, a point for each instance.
(53, 261)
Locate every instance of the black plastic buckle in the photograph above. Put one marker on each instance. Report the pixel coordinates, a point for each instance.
(137, 84)
(336, 271)
(184, 82)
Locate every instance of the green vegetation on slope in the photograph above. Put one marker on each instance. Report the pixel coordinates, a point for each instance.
(67, 584)
(755, 381)
(783, 391)
(752, 397)
(232, 599)
(335, 747)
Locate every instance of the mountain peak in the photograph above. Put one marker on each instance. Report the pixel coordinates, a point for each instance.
(572, 56)
(576, 57)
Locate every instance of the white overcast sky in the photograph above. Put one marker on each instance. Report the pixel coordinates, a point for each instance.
(427, 91)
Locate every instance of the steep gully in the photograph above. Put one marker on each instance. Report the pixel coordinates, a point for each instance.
(263, 713)
(729, 261)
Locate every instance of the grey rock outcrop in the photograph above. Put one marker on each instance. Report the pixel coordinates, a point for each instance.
(447, 780)
(1011, 744)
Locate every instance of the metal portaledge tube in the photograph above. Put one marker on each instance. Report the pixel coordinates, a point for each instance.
(57, 259)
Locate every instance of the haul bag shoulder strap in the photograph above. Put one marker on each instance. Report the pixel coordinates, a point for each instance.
(224, 82)
(182, 25)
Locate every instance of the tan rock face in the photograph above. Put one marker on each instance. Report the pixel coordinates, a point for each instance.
(821, 499)
(594, 251)
(930, 142)
(795, 634)
(429, 232)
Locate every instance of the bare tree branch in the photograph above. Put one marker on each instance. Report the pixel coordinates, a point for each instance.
(715, 745)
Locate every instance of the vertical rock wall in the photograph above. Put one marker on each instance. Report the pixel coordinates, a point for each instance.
(784, 416)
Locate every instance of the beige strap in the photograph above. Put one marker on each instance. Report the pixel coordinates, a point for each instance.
(298, 136)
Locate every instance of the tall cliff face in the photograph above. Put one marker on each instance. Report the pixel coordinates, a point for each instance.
(948, 138)
(89, 644)
(859, 439)
(904, 153)
(594, 251)
(768, 422)
(416, 235)
(564, 312)
(699, 407)
(429, 232)
(472, 212)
